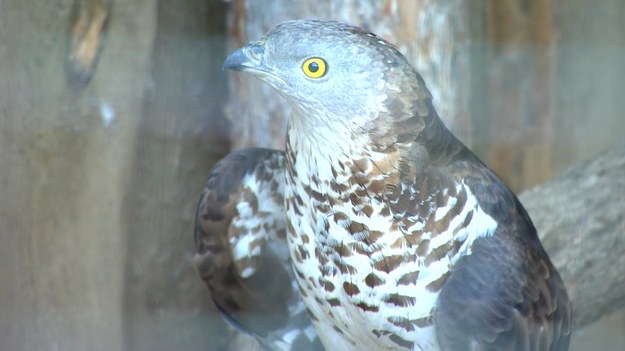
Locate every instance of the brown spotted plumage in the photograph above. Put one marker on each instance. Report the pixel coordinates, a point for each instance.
(399, 237)
(241, 250)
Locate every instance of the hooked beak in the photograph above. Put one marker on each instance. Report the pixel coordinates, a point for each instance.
(246, 58)
(251, 59)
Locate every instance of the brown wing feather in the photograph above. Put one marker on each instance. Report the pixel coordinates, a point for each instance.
(242, 254)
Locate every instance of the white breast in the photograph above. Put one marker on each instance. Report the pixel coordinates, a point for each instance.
(354, 315)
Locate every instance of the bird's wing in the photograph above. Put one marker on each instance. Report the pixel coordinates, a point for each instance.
(506, 294)
(242, 252)
(502, 292)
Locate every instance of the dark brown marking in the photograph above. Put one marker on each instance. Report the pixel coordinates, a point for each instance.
(465, 223)
(334, 302)
(338, 188)
(303, 252)
(326, 284)
(386, 211)
(389, 263)
(315, 194)
(437, 284)
(408, 278)
(357, 227)
(324, 207)
(298, 256)
(298, 200)
(401, 322)
(361, 165)
(361, 191)
(327, 270)
(367, 210)
(315, 180)
(345, 269)
(367, 308)
(296, 207)
(323, 259)
(400, 300)
(422, 249)
(441, 225)
(374, 236)
(373, 280)
(401, 341)
(355, 200)
(344, 251)
(350, 289)
(437, 253)
(340, 216)
(400, 242)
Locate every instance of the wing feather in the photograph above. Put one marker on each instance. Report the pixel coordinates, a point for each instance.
(242, 252)
(505, 294)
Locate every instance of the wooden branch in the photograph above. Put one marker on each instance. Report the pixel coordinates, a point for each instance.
(580, 216)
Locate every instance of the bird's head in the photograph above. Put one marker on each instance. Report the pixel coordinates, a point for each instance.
(335, 74)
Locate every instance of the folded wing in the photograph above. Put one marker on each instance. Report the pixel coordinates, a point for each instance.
(242, 252)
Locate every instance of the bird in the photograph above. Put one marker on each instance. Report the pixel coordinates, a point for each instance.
(398, 236)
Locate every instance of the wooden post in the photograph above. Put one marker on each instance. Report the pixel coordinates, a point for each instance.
(65, 155)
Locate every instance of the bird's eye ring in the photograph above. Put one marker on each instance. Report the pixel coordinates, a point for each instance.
(314, 67)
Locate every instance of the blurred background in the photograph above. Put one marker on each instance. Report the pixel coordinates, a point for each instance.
(112, 113)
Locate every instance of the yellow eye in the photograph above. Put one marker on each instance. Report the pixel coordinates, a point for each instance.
(314, 67)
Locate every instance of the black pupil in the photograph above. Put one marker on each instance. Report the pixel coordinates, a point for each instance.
(313, 67)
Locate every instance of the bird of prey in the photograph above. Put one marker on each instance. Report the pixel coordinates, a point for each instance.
(399, 237)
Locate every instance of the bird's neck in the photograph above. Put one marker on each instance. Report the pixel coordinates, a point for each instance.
(324, 150)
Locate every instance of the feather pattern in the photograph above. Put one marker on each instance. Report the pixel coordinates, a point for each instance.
(242, 254)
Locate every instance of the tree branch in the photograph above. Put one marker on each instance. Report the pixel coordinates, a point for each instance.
(580, 216)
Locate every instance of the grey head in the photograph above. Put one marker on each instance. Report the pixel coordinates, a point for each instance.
(335, 74)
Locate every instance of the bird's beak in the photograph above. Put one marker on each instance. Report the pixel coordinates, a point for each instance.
(251, 59)
(246, 58)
